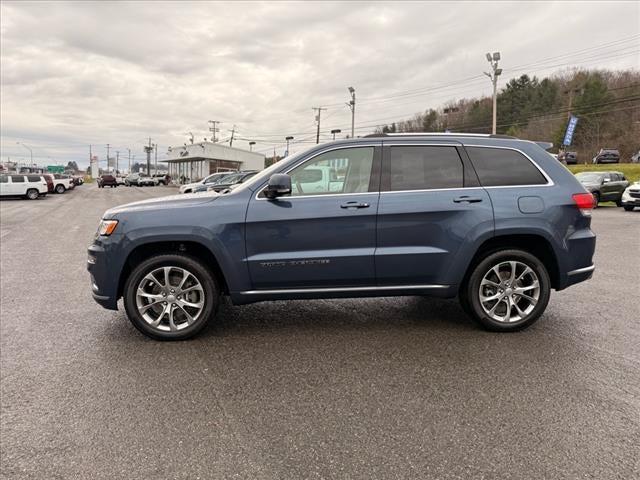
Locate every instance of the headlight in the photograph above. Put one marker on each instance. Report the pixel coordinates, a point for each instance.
(107, 227)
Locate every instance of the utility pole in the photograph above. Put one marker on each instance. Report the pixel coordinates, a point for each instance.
(319, 109)
(148, 149)
(107, 160)
(213, 129)
(288, 139)
(493, 76)
(117, 160)
(155, 147)
(233, 131)
(90, 169)
(352, 106)
(129, 150)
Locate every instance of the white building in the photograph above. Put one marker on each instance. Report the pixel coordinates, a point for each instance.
(196, 161)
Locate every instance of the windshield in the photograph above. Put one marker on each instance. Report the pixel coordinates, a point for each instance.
(586, 177)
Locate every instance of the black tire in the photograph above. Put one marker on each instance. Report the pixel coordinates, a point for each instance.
(203, 275)
(32, 194)
(618, 203)
(60, 188)
(596, 199)
(472, 290)
(628, 208)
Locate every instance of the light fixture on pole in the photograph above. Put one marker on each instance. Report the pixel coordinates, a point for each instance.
(352, 106)
(288, 139)
(30, 151)
(251, 144)
(334, 131)
(493, 76)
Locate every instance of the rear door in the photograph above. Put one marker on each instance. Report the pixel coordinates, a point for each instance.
(324, 234)
(431, 204)
(17, 185)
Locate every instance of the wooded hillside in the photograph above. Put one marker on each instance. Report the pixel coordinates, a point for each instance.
(607, 104)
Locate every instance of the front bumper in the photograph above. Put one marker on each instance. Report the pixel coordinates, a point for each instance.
(104, 283)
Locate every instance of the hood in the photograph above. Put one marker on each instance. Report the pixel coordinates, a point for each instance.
(190, 185)
(163, 203)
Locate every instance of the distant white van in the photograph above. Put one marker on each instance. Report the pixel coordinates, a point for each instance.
(27, 186)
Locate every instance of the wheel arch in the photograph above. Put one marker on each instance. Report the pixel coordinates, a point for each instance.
(535, 244)
(152, 248)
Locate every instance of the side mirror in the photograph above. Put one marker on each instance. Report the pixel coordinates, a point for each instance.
(279, 184)
(606, 180)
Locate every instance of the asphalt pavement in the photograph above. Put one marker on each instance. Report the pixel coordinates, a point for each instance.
(358, 389)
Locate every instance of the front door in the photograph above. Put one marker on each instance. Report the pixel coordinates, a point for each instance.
(430, 204)
(323, 234)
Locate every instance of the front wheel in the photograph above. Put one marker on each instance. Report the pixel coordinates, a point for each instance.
(508, 291)
(170, 297)
(628, 208)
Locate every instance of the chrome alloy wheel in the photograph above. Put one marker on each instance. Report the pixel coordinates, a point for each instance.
(509, 291)
(170, 298)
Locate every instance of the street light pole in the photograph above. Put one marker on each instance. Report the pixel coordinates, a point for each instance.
(334, 131)
(30, 151)
(251, 144)
(352, 106)
(493, 76)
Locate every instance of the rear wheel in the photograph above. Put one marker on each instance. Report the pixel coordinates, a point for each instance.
(508, 291)
(170, 297)
(32, 194)
(596, 199)
(60, 188)
(618, 203)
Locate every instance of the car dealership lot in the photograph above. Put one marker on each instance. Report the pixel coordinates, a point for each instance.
(368, 388)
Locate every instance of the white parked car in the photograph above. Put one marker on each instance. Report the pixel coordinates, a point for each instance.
(631, 197)
(62, 183)
(28, 186)
(144, 181)
(212, 179)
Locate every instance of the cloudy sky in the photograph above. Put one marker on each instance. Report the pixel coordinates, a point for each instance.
(81, 73)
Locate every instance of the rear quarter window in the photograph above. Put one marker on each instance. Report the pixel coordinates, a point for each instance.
(17, 179)
(498, 167)
(33, 178)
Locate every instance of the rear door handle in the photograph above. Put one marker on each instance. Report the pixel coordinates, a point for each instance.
(467, 199)
(354, 205)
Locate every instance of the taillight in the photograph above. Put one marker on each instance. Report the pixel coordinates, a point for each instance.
(585, 202)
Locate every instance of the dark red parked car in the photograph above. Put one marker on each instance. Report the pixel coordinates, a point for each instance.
(107, 181)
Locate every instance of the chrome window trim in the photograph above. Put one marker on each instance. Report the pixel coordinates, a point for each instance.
(340, 289)
(549, 183)
(302, 162)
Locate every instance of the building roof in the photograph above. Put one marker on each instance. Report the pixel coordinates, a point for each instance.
(210, 151)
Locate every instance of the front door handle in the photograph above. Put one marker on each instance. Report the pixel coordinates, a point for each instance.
(467, 199)
(354, 205)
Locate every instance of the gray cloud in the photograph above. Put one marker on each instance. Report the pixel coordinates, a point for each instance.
(84, 73)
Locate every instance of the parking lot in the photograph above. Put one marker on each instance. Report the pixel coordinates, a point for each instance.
(368, 388)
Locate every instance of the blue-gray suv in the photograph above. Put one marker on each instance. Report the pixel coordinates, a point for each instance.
(494, 220)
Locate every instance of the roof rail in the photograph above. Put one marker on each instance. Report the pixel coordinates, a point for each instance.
(439, 134)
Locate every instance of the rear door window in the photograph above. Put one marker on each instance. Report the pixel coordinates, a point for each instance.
(498, 167)
(33, 178)
(417, 167)
(4, 179)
